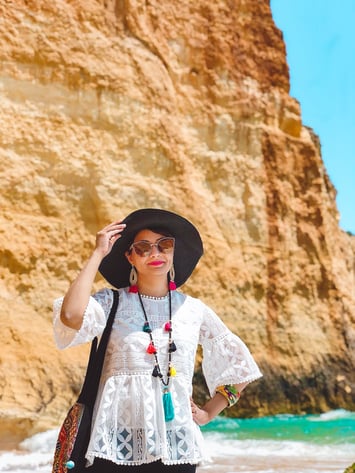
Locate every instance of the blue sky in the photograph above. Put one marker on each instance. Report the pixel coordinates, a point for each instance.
(320, 44)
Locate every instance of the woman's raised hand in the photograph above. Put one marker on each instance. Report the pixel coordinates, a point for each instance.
(77, 297)
(106, 237)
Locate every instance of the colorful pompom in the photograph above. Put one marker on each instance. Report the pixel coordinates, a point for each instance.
(167, 327)
(151, 349)
(146, 327)
(172, 371)
(172, 286)
(172, 347)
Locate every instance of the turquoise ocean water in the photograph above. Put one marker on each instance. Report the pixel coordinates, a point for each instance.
(284, 443)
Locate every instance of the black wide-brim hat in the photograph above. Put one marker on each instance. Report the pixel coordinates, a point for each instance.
(115, 267)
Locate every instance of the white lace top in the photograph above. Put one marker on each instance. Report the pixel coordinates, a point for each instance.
(128, 423)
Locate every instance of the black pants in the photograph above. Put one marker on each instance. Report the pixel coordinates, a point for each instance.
(105, 466)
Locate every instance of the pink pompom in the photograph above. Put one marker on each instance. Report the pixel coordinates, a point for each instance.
(172, 285)
(167, 327)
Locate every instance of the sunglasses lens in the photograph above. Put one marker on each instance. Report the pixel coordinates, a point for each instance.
(142, 248)
(165, 245)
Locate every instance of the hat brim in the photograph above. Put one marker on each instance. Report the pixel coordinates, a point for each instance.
(115, 267)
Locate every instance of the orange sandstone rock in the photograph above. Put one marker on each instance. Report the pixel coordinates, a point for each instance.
(106, 107)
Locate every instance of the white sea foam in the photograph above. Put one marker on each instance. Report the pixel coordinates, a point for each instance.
(16, 462)
(333, 415)
(34, 454)
(218, 445)
(272, 456)
(43, 442)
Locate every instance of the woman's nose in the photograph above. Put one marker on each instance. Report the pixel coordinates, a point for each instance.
(155, 249)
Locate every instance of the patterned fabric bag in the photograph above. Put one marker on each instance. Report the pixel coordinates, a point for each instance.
(74, 434)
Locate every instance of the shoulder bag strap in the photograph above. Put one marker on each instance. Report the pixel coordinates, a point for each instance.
(96, 359)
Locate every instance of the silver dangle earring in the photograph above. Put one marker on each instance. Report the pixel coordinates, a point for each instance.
(133, 279)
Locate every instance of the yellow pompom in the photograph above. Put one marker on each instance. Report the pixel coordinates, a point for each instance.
(172, 371)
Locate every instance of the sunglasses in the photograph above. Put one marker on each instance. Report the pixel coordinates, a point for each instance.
(144, 248)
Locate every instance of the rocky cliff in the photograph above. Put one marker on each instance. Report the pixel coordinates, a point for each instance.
(109, 106)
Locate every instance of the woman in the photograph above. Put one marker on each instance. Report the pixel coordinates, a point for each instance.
(144, 415)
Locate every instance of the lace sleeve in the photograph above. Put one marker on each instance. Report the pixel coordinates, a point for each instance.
(94, 321)
(226, 358)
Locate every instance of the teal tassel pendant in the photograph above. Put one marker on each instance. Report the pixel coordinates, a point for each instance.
(168, 406)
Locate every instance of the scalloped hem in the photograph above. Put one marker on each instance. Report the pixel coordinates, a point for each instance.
(91, 458)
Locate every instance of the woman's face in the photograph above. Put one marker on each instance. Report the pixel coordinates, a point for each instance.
(158, 262)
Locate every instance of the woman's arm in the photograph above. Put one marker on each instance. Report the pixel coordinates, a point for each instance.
(213, 407)
(77, 297)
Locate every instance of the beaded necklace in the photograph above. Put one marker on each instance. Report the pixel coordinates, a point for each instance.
(151, 349)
